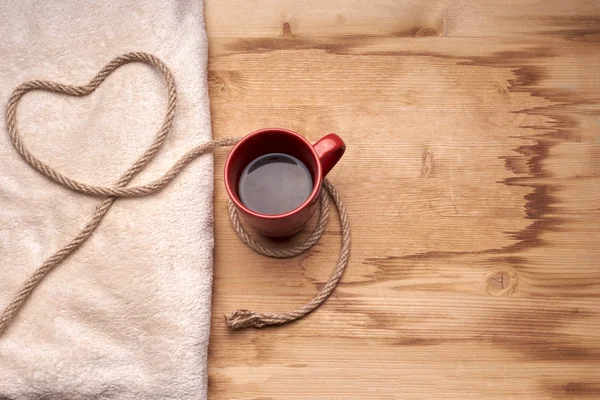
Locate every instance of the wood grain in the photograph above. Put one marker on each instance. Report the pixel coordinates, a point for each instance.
(472, 178)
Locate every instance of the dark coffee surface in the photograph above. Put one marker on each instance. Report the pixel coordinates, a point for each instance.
(275, 183)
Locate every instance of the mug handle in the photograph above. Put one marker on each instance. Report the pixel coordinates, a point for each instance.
(330, 149)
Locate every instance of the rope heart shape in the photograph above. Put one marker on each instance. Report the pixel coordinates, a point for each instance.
(120, 189)
(237, 319)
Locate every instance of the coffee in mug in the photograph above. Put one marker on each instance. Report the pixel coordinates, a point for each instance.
(275, 183)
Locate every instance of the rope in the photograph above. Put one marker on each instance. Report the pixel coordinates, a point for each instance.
(240, 319)
(237, 319)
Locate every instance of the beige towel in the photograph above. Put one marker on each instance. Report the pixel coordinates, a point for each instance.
(127, 316)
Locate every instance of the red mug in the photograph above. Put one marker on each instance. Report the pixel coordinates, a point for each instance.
(319, 158)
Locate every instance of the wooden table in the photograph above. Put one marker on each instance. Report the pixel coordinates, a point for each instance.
(472, 178)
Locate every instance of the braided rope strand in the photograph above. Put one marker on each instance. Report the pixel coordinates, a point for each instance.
(239, 318)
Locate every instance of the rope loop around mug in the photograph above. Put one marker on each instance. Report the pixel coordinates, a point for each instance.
(236, 320)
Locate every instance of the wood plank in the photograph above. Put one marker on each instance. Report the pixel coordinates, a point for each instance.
(575, 18)
(472, 178)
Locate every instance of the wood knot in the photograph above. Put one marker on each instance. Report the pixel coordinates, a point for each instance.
(224, 80)
(501, 282)
(424, 32)
(426, 164)
(287, 30)
(503, 91)
(215, 81)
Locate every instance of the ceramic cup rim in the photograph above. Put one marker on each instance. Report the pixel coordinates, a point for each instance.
(316, 184)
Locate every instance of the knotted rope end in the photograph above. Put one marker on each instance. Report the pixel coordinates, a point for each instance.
(242, 319)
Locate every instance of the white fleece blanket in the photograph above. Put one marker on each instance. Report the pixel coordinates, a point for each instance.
(127, 316)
